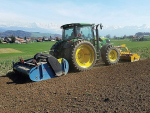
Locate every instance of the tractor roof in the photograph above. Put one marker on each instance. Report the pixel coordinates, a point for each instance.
(76, 24)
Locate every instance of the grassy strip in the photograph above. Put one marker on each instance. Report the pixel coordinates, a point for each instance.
(6, 65)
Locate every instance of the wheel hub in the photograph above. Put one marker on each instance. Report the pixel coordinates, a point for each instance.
(84, 56)
(113, 55)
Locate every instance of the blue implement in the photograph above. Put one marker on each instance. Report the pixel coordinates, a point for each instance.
(43, 70)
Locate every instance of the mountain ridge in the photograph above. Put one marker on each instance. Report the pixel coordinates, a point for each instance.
(55, 29)
(22, 34)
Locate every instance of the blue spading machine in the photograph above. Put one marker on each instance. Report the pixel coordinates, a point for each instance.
(41, 67)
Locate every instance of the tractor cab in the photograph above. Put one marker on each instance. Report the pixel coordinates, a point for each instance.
(77, 31)
(84, 31)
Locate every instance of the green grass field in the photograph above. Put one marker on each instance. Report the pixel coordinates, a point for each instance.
(26, 49)
(29, 50)
(148, 38)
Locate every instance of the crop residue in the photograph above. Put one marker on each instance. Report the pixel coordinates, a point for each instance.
(9, 50)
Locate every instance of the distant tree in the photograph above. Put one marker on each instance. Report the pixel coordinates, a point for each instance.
(115, 37)
(13, 39)
(0, 41)
(43, 39)
(108, 36)
(124, 37)
(5, 39)
(25, 38)
(50, 38)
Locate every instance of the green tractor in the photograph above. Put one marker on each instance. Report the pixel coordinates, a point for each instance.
(82, 47)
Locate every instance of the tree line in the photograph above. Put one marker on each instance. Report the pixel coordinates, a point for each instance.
(10, 39)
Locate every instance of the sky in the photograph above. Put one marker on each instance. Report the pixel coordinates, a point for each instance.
(59, 12)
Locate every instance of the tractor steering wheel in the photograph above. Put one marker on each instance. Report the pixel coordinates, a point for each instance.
(79, 35)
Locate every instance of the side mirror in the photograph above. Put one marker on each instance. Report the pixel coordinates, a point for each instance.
(101, 26)
(97, 26)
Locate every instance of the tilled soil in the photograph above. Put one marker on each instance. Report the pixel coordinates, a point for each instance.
(119, 88)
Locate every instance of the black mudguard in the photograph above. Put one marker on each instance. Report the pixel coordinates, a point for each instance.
(55, 65)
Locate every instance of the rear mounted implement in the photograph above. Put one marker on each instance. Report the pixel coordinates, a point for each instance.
(41, 67)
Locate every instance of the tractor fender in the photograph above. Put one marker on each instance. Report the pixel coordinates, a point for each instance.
(70, 43)
(67, 44)
(105, 46)
(54, 46)
(58, 43)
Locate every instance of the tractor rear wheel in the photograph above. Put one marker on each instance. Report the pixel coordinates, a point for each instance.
(83, 56)
(110, 55)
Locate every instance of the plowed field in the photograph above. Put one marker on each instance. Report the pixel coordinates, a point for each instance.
(119, 88)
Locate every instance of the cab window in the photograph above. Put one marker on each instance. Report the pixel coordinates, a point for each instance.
(68, 33)
(85, 31)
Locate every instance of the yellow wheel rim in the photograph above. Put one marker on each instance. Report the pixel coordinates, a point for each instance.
(113, 55)
(84, 56)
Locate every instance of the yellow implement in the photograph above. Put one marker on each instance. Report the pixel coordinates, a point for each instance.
(125, 54)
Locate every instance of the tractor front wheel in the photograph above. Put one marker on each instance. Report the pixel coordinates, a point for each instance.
(110, 55)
